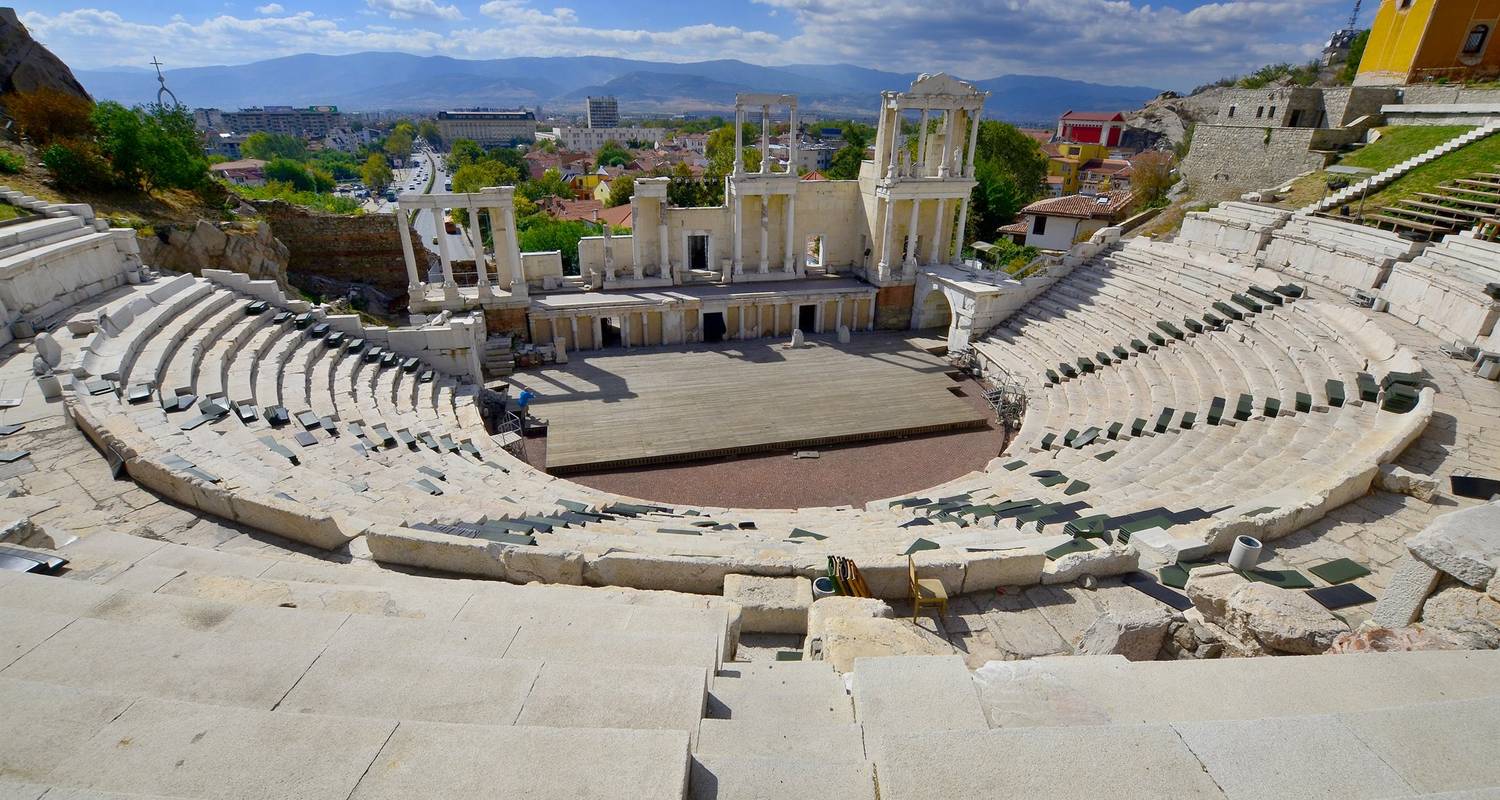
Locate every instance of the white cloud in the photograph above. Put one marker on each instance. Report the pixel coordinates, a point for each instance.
(269, 8)
(412, 9)
(1103, 41)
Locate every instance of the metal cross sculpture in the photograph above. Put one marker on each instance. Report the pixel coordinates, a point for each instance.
(163, 92)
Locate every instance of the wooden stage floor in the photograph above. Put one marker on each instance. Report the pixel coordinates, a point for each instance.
(638, 407)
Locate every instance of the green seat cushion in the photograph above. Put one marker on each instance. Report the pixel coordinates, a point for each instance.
(1285, 578)
(919, 545)
(1076, 545)
(1339, 570)
(1174, 576)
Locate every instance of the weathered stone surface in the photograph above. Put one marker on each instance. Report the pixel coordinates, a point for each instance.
(26, 66)
(848, 638)
(1277, 619)
(239, 247)
(1466, 617)
(1388, 640)
(1405, 592)
(1281, 619)
(770, 605)
(1137, 635)
(1464, 544)
(1160, 545)
(1112, 560)
(825, 609)
(1400, 480)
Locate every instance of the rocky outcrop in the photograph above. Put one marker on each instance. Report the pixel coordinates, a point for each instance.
(1260, 618)
(1137, 634)
(26, 66)
(1168, 117)
(1467, 617)
(247, 248)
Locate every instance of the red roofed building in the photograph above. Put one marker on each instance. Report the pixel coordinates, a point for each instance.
(1092, 127)
(1060, 222)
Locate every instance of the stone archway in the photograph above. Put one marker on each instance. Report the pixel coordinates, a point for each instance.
(935, 312)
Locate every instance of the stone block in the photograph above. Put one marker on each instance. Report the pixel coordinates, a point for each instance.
(1405, 592)
(1160, 545)
(1136, 634)
(901, 695)
(890, 578)
(825, 609)
(1115, 559)
(770, 605)
(1467, 617)
(1464, 544)
(848, 638)
(1277, 619)
(985, 572)
(1392, 478)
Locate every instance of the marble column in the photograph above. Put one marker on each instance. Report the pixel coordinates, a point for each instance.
(635, 239)
(791, 141)
(739, 139)
(959, 230)
(513, 244)
(442, 237)
(870, 326)
(498, 245)
(973, 141)
(765, 233)
(598, 326)
(922, 145)
(838, 315)
(789, 258)
(572, 323)
(765, 140)
(413, 281)
(894, 142)
(625, 330)
(737, 208)
(948, 119)
(910, 262)
(609, 254)
(476, 243)
(887, 234)
(664, 259)
(937, 232)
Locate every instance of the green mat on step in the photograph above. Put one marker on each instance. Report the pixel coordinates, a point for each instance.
(1340, 570)
(1074, 546)
(1285, 578)
(920, 545)
(788, 655)
(1174, 576)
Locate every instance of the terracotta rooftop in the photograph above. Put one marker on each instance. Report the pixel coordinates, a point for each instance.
(1081, 206)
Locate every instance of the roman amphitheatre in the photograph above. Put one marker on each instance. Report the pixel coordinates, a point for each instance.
(1179, 518)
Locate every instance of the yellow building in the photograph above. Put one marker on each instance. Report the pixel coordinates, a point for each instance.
(601, 191)
(1413, 41)
(1067, 162)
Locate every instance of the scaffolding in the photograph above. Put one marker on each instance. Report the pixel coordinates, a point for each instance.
(1005, 394)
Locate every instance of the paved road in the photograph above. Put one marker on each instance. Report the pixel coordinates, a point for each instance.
(427, 222)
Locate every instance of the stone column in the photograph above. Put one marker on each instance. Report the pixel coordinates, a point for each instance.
(765, 233)
(665, 266)
(922, 145)
(635, 239)
(887, 234)
(973, 141)
(959, 230)
(948, 119)
(742, 320)
(413, 281)
(513, 244)
(789, 259)
(625, 329)
(791, 140)
(442, 237)
(598, 325)
(739, 138)
(910, 262)
(737, 207)
(609, 254)
(572, 323)
(894, 142)
(765, 140)
(838, 314)
(937, 232)
(870, 326)
(476, 243)
(502, 277)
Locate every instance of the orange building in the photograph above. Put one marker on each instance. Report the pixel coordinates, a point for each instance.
(1413, 41)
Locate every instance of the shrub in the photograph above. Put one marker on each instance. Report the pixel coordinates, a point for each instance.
(11, 162)
(48, 115)
(336, 204)
(78, 165)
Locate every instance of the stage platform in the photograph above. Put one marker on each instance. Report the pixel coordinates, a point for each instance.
(647, 406)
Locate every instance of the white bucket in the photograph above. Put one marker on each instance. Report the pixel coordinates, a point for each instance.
(823, 587)
(1245, 554)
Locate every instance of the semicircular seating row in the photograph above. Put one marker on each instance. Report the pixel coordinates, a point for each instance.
(400, 452)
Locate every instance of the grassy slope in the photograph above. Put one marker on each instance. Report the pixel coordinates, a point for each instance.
(1481, 156)
(8, 211)
(1396, 144)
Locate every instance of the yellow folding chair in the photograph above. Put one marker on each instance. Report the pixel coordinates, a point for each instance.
(925, 592)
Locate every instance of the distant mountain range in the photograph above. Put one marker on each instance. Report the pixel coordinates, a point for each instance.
(400, 81)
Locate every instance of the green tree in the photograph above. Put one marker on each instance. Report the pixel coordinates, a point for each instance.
(551, 234)
(473, 177)
(291, 173)
(342, 166)
(620, 191)
(376, 173)
(1009, 170)
(550, 184)
(464, 152)
(612, 154)
(1151, 177)
(685, 190)
(155, 148)
(427, 129)
(399, 143)
(269, 146)
(1356, 54)
(510, 157)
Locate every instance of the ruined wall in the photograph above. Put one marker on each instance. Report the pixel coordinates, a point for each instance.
(341, 250)
(893, 307)
(246, 248)
(1226, 161)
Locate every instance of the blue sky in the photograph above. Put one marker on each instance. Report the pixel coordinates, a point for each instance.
(1168, 43)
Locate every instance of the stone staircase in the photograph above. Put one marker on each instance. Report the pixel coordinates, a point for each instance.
(1379, 180)
(499, 358)
(1451, 207)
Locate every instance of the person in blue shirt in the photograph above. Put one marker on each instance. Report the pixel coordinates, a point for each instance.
(522, 401)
